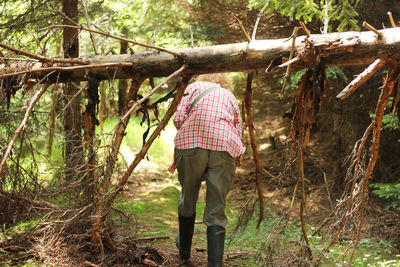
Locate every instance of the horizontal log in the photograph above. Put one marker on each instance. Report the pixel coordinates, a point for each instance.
(340, 49)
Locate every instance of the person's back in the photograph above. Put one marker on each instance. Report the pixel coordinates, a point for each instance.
(208, 147)
(213, 123)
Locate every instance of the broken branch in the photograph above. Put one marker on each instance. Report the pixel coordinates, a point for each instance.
(362, 78)
(371, 28)
(304, 28)
(243, 29)
(391, 19)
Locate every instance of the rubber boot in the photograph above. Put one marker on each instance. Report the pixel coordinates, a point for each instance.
(184, 238)
(215, 245)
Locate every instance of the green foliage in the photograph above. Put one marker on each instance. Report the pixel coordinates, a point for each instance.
(331, 73)
(341, 11)
(390, 192)
(301, 10)
(389, 121)
(346, 14)
(158, 22)
(294, 79)
(335, 72)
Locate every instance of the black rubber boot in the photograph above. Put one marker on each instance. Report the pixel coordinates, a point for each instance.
(215, 245)
(184, 238)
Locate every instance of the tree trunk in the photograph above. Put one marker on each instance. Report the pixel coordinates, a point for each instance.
(74, 160)
(341, 49)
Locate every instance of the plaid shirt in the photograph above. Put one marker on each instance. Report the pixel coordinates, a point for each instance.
(213, 123)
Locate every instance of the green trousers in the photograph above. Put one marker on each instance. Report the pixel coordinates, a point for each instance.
(216, 168)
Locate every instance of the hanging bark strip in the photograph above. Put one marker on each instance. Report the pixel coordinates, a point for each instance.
(21, 128)
(304, 114)
(306, 105)
(390, 82)
(250, 125)
(89, 127)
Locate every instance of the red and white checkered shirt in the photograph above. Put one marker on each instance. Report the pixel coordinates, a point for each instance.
(214, 122)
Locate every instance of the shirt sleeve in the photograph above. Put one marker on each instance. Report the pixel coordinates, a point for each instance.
(181, 112)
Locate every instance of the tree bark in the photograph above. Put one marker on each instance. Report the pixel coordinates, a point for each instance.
(122, 83)
(74, 159)
(341, 49)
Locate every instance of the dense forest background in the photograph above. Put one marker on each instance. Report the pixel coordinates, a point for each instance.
(82, 181)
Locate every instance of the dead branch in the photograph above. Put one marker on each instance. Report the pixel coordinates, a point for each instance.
(250, 124)
(41, 58)
(88, 24)
(114, 37)
(303, 200)
(390, 82)
(391, 19)
(31, 103)
(68, 69)
(152, 238)
(110, 159)
(371, 28)
(246, 35)
(359, 151)
(362, 78)
(253, 37)
(137, 105)
(304, 28)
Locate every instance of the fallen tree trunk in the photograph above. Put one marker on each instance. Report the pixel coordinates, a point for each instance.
(340, 49)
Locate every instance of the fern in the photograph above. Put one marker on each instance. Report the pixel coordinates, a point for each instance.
(389, 192)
